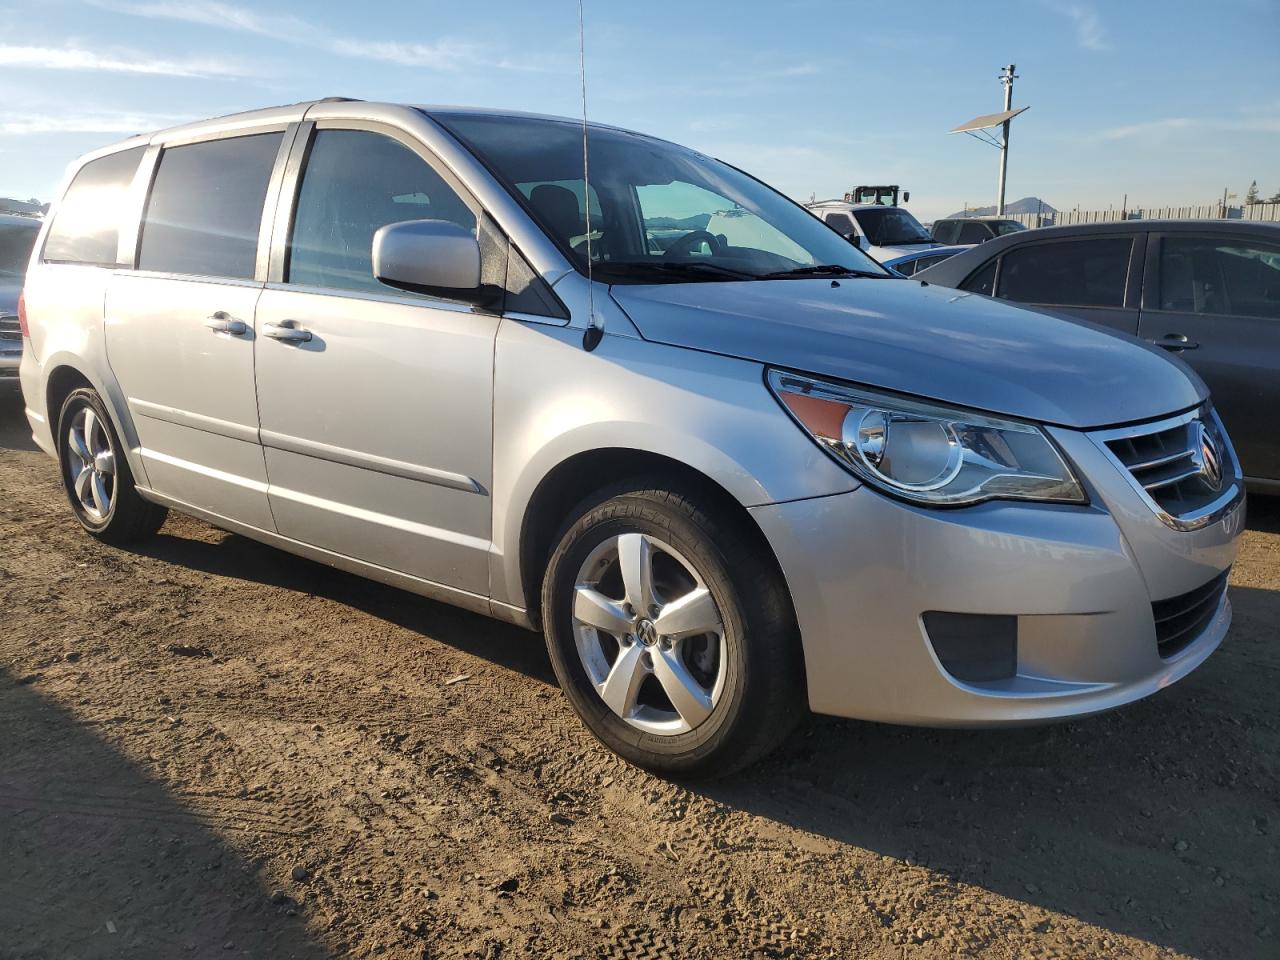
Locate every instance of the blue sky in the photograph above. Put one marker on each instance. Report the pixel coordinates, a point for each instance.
(1168, 101)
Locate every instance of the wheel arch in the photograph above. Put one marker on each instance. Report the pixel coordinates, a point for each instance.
(64, 375)
(577, 477)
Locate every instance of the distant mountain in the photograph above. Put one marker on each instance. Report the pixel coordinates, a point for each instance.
(1025, 205)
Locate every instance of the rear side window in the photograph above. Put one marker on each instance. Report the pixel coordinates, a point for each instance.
(205, 207)
(841, 223)
(86, 228)
(974, 233)
(1080, 273)
(1220, 276)
(356, 181)
(982, 281)
(946, 231)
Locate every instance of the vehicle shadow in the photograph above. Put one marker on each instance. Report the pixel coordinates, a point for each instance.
(1264, 513)
(100, 860)
(242, 558)
(15, 432)
(1119, 820)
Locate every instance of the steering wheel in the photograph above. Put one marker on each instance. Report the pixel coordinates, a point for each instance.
(684, 245)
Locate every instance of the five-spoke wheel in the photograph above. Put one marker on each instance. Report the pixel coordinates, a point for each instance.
(96, 473)
(91, 467)
(649, 634)
(671, 631)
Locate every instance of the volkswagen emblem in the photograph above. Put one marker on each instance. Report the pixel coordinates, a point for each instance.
(1207, 456)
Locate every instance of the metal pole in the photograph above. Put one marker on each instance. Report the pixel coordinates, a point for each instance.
(1006, 79)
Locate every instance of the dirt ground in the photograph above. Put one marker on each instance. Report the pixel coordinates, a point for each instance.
(212, 749)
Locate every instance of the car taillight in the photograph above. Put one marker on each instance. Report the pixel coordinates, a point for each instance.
(22, 316)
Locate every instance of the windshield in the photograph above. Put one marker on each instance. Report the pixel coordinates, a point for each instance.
(16, 241)
(660, 213)
(891, 227)
(1007, 226)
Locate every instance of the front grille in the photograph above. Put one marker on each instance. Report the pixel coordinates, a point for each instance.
(1183, 465)
(1180, 619)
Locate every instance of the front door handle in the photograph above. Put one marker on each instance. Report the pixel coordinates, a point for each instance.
(286, 332)
(1176, 342)
(221, 322)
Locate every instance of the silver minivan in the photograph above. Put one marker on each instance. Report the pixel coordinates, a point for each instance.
(728, 465)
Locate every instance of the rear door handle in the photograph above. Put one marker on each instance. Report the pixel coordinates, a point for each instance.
(286, 332)
(221, 322)
(1176, 342)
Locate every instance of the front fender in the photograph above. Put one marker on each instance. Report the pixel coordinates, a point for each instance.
(553, 400)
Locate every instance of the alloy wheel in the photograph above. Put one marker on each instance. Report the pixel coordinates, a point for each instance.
(91, 463)
(650, 634)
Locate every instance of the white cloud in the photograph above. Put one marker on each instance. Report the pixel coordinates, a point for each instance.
(116, 61)
(1251, 122)
(122, 122)
(1148, 128)
(1090, 33)
(444, 54)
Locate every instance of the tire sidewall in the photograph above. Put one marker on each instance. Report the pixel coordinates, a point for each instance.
(635, 513)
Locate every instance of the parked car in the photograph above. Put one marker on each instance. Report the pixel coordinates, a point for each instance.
(726, 481)
(17, 238)
(973, 230)
(1207, 291)
(913, 263)
(883, 231)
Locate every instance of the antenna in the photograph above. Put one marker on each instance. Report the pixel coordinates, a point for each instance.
(595, 331)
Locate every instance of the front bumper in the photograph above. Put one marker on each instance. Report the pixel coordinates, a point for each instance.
(863, 570)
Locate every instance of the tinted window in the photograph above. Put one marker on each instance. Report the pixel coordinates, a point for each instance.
(1203, 275)
(355, 182)
(924, 263)
(841, 223)
(1083, 273)
(16, 240)
(946, 231)
(86, 227)
(981, 281)
(890, 226)
(206, 207)
(974, 233)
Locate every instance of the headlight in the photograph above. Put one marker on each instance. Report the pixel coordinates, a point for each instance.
(926, 452)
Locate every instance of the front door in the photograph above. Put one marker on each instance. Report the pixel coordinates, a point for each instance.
(1214, 301)
(376, 404)
(179, 328)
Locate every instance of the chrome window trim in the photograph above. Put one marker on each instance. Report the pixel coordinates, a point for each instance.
(1196, 519)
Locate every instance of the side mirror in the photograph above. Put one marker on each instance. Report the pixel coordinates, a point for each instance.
(906, 196)
(435, 257)
(858, 240)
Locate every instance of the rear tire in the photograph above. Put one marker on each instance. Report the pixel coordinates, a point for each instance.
(708, 677)
(96, 475)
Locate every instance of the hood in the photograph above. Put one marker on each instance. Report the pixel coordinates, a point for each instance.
(923, 340)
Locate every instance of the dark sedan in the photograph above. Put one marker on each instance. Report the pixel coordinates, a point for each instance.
(1207, 291)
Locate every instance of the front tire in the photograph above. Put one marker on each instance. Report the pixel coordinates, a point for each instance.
(96, 475)
(671, 632)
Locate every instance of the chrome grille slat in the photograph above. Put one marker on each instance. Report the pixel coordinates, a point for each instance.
(1186, 474)
(1171, 463)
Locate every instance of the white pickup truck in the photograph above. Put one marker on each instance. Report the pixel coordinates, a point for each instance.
(882, 230)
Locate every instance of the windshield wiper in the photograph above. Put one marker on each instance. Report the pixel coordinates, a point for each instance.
(824, 270)
(681, 268)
